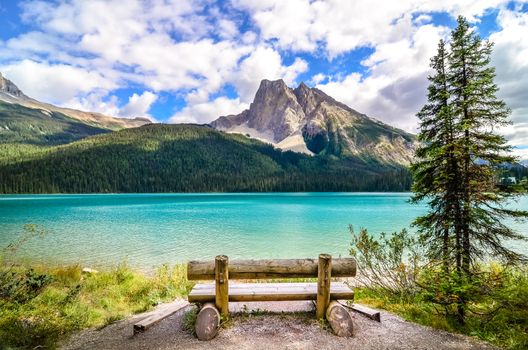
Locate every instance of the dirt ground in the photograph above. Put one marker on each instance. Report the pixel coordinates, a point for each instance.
(283, 325)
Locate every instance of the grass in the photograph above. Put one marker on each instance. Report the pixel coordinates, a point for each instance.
(40, 305)
(189, 320)
(500, 319)
(43, 304)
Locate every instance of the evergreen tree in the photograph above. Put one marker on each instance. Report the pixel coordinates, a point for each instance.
(460, 157)
(437, 172)
(481, 149)
(184, 158)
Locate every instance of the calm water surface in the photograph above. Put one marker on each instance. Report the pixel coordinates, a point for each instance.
(151, 229)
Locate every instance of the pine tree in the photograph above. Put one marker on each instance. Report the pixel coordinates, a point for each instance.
(459, 159)
(481, 149)
(436, 172)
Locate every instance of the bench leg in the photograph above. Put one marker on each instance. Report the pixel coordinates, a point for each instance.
(340, 320)
(207, 322)
(222, 285)
(323, 285)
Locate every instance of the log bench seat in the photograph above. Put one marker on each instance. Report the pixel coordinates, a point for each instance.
(216, 296)
(240, 292)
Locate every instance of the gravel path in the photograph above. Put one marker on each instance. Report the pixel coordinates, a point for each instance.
(294, 329)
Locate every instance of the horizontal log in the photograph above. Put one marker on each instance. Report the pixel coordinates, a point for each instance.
(367, 311)
(159, 314)
(270, 268)
(244, 292)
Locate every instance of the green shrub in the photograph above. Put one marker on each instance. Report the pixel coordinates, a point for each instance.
(52, 302)
(390, 263)
(497, 295)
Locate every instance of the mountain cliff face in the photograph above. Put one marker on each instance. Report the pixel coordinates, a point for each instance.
(307, 120)
(11, 94)
(7, 87)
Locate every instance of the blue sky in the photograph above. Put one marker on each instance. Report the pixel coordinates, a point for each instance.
(194, 60)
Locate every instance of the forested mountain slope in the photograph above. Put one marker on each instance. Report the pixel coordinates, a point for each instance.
(26, 120)
(19, 124)
(184, 158)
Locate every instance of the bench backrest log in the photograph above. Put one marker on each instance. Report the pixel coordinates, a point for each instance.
(271, 268)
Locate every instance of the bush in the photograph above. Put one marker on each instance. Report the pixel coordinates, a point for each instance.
(395, 277)
(390, 263)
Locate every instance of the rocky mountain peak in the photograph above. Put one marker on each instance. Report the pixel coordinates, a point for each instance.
(7, 86)
(307, 98)
(303, 87)
(308, 120)
(275, 110)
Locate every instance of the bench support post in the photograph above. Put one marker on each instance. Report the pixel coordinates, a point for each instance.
(323, 285)
(340, 320)
(207, 322)
(222, 285)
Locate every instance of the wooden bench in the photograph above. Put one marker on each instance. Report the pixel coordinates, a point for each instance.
(217, 296)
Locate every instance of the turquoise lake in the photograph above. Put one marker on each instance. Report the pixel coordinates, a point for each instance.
(150, 229)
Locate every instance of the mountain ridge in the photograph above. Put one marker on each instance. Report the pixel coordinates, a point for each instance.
(11, 94)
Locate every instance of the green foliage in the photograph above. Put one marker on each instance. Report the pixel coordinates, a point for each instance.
(19, 124)
(185, 158)
(71, 301)
(458, 170)
(496, 294)
(20, 285)
(389, 263)
(41, 304)
(189, 320)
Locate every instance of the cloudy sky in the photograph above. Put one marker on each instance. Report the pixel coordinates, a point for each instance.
(191, 61)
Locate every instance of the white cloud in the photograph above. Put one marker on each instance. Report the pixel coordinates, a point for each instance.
(227, 29)
(318, 78)
(101, 102)
(206, 112)
(54, 83)
(162, 64)
(138, 105)
(95, 102)
(263, 63)
(135, 40)
(193, 48)
(509, 58)
(423, 18)
(396, 86)
(341, 26)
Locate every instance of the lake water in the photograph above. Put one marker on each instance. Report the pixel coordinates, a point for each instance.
(151, 229)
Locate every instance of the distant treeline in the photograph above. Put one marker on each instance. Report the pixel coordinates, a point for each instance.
(184, 158)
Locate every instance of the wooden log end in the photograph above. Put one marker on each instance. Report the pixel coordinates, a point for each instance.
(340, 320)
(207, 322)
(138, 328)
